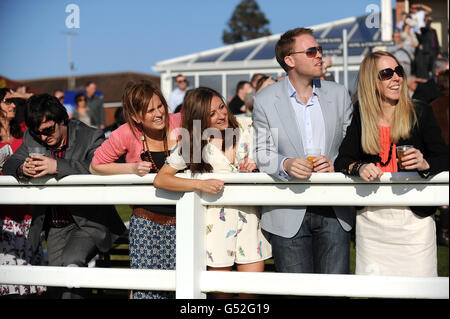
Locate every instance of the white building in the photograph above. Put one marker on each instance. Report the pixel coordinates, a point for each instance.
(222, 68)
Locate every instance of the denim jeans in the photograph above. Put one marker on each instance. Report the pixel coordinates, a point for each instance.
(320, 246)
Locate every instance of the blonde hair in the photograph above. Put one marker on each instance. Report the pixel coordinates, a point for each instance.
(369, 98)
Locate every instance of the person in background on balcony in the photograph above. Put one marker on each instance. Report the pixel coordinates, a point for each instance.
(233, 234)
(397, 241)
(290, 116)
(94, 103)
(82, 113)
(237, 104)
(15, 220)
(176, 96)
(60, 95)
(74, 233)
(254, 80)
(145, 141)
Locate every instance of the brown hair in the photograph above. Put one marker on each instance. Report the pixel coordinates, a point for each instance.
(135, 101)
(197, 106)
(285, 44)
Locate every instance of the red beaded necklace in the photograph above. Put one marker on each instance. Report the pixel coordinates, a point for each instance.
(149, 153)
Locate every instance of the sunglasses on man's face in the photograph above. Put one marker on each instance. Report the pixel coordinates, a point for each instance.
(310, 52)
(7, 101)
(387, 74)
(46, 131)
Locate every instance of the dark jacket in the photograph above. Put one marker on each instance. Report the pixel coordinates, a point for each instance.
(102, 223)
(425, 136)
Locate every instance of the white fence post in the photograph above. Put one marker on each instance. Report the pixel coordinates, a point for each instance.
(190, 247)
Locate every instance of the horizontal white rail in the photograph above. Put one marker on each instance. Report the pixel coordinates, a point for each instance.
(191, 280)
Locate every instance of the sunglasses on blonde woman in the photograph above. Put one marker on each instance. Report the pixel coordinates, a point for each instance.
(387, 74)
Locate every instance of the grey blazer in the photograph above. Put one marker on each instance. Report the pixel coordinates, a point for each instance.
(102, 223)
(277, 136)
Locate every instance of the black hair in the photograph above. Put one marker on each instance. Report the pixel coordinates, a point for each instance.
(240, 85)
(44, 106)
(78, 96)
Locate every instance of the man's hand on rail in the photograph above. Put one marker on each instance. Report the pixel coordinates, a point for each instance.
(298, 167)
(42, 165)
(323, 164)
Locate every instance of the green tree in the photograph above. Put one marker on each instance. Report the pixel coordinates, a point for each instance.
(247, 22)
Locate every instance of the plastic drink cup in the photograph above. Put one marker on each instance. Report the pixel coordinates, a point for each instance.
(311, 154)
(401, 149)
(36, 150)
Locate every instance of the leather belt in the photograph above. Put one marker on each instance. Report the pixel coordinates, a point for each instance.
(154, 217)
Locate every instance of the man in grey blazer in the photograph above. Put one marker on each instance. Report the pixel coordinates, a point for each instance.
(75, 233)
(295, 114)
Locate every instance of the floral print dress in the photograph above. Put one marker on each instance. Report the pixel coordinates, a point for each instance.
(233, 233)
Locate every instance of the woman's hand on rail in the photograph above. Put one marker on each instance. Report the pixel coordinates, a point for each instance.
(142, 168)
(369, 172)
(211, 186)
(247, 165)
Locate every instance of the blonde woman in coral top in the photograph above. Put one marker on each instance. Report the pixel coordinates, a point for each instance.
(398, 241)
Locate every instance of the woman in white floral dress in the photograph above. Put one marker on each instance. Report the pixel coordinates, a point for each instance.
(233, 233)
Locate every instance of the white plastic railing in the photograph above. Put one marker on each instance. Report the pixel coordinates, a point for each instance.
(191, 280)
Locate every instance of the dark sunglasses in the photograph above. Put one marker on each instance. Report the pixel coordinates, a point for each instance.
(46, 132)
(387, 74)
(310, 52)
(7, 101)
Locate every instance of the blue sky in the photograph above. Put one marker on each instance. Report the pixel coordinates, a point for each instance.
(133, 35)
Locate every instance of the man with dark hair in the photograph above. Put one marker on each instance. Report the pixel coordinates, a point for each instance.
(237, 104)
(291, 117)
(95, 104)
(75, 233)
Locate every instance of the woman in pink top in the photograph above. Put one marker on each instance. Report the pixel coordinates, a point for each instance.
(145, 142)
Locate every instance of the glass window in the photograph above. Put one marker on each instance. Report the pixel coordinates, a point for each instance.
(212, 81)
(239, 54)
(232, 81)
(267, 52)
(209, 58)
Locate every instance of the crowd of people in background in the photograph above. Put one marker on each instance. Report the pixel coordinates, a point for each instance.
(401, 98)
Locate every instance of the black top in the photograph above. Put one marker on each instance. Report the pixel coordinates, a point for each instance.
(168, 210)
(235, 105)
(425, 136)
